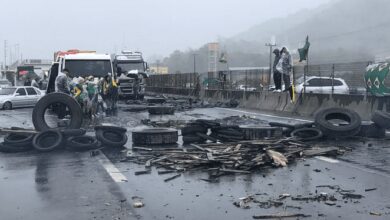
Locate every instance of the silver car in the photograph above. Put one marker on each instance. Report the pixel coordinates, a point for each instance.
(20, 96)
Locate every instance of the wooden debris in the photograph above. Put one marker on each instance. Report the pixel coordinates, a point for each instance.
(172, 178)
(280, 216)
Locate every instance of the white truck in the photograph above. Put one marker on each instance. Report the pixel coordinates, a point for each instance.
(131, 70)
(80, 64)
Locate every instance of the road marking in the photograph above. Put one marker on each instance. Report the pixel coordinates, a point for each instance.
(327, 159)
(115, 174)
(266, 115)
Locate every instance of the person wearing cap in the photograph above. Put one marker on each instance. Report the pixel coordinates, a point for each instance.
(276, 74)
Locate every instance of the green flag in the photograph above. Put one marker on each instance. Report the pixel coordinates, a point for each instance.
(303, 52)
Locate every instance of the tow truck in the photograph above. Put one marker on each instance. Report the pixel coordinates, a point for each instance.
(131, 71)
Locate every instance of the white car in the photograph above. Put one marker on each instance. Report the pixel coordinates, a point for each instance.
(322, 85)
(20, 96)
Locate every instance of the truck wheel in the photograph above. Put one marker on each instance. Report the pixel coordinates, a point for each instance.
(18, 140)
(111, 138)
(306, 134)
(161, 110)
(382, 119)
(48, 140)
(7, 148)
(155, 136)
(324, 118)
(38, 115)
(7, 106)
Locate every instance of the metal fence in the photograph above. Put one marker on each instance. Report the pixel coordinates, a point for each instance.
(258, 79)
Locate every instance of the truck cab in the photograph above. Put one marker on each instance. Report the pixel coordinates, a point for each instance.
(80, 64)
(131, 71)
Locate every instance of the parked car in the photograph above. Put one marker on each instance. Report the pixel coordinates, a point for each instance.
(5, 83)
(246, 88)
(322, 85)
(20, 96)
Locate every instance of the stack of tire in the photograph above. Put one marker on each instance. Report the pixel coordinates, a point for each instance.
(192, 133)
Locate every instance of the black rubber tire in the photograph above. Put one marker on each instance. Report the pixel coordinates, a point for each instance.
(193, 129)
(323, 116)
(282, 125)
(6, 148)
(156, 100)
(382, 119)
(82, 143)
(48, 140)
(307, 134)
(18, 139)
(7, 106)
(371, 130)
(161, 110)
(38, 115)
(111, 128)
(155, 136)
(208, 123)
(111, 138)
(73, 132)
(189, 139)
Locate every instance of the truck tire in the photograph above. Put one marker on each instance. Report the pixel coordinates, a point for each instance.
(18, 139)
(189, 139)
(155, 100)
(82, 143)
(193, 129)
(6, 148)
(258, 133)
(161, 110)
(111, 138)
(371, 130)
(382, 119)
(38, 115)
(48, 140)
(307, 134)
(324, 116)
(155, 136)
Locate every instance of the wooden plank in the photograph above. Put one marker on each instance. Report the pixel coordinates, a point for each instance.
(172, 178)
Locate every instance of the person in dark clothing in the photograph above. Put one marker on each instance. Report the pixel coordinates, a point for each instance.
(277, 75)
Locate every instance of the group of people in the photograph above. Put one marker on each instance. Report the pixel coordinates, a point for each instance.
(93, 95)
(282, 68)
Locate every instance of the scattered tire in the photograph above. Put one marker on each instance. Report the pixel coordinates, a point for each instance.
(258, 133)
(155, 136)
(382, 119)
(323, 122)
(73, 132)
(371, 130)
(7, 106)
(7, 148)
(111, 138)
(307, 134)
(161, 110)
(155, 100)
(193, 129)
(111, 128)
(189, 139)
(18, 139)
(48, 140)
(38, 115)
(82, 143)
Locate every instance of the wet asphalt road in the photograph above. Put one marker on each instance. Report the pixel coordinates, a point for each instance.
(69, 185)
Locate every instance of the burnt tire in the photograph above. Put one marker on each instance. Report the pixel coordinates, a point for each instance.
(38, 115)
(161, 110)
(7, 148)
(18, 139)
(155, 136)
(111, 138)
(82, 143)
(155, 100)
(382, 119)
(371, 130)
(258, 133)
(73, 132)
(323, 117)
(193, 129)
(307, 134)
(111, 128)
(48, 140)
(189, 139)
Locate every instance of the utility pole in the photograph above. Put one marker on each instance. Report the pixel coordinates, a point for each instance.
(270, 45)
(194, 61)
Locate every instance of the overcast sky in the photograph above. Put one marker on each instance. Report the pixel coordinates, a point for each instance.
(155, 27)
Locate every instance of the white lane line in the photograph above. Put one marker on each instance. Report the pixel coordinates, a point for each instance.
(266, 115)
(115, 174)
(327, 159)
